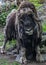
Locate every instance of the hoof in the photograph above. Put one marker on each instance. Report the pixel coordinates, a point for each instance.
(24, 62)
(39, 58)
(2, 50)
(21, 60)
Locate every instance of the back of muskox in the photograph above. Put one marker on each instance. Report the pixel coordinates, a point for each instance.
(41, 10)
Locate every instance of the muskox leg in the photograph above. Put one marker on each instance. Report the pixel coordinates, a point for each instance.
(38, 53)
(23, 53)
(39, 57)
(21, 57)
(3, 46)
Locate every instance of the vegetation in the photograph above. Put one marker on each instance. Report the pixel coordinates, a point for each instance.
(4, 14)
(5, 62)
(36, 3)
(44, 26)
(9, 44)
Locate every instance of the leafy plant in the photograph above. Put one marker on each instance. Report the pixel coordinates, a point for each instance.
(36, 3)
(4, 14)
(44, 27)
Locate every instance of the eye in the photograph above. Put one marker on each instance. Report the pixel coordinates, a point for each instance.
(30, 15)
(24, 9)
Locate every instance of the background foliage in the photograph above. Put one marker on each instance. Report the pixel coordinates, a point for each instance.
(36, 3)
(4, 13)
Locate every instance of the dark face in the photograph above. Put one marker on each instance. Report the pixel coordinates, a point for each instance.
(28, 23)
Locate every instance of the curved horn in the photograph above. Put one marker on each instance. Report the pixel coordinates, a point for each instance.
(25, 11)
(36, 19)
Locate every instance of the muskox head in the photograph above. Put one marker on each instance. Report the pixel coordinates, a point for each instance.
(26, 18)
(27, 21)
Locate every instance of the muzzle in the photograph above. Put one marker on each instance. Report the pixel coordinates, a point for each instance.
(31, 31)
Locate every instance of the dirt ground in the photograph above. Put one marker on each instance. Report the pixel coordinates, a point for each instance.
(11, 58)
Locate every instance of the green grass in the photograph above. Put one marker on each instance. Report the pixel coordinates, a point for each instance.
(36, 3)
(1, 38)
(44, 26)
(6, 62)
(8, 45)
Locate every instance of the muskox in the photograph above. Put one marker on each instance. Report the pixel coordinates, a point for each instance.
(24, 26)
(28, 29)
(9, 30)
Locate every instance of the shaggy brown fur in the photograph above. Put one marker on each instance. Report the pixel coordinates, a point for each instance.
(9, 30)
(27, 4)
(10, 25)
(24, 8)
